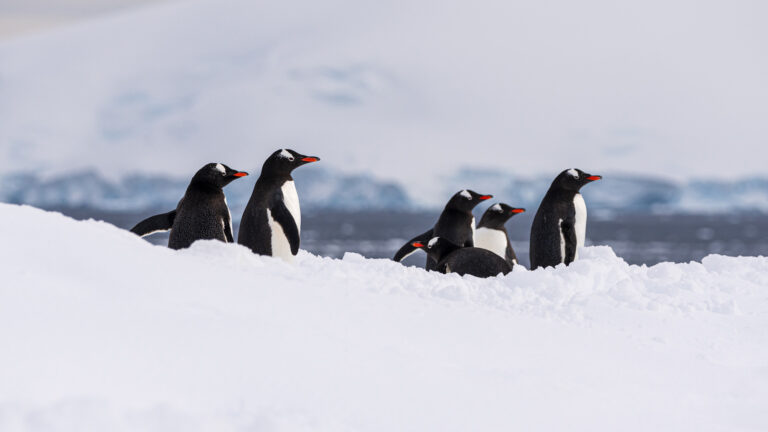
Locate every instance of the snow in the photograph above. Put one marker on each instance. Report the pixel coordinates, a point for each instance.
(528, 87)
(104, 331)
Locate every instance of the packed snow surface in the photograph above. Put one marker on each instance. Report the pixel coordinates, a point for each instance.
(103, 331)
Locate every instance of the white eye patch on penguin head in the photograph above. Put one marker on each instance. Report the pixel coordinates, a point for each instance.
(283, 161)
(573, 179)
(286, 154)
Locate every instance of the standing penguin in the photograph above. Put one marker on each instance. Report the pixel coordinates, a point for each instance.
(560, 225)
(456, 225)
(491, 233)
(271, 223)
(202, 214)
(452, 258)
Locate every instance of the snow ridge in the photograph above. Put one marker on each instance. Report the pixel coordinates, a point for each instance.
(215, 337)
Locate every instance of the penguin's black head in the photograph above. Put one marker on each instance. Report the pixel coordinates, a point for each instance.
(216, 174)
(284, 161)
(466, 200)
(573, 179)
(498, 214)
(436, 248)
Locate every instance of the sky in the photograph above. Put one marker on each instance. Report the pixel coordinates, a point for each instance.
(406, 91)
(19, 17)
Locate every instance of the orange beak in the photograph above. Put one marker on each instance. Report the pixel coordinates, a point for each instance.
(240, 174)
(417, 244)
(486, 197)
(310, 159)
(518, 210)
(593, 178)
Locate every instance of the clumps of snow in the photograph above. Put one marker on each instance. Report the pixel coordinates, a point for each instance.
(465, 193)
(108, 332)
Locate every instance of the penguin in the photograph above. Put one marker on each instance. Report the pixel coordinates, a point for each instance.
(202, 214)
(456, 224)
(271, 223)
(491, 233)
(452, 258)
(560, 225)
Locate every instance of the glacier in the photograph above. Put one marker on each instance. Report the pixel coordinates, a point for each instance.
(104, 331)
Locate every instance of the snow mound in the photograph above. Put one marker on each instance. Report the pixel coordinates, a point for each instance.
(107, 332)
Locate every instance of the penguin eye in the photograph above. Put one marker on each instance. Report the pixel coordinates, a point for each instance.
(290, 158)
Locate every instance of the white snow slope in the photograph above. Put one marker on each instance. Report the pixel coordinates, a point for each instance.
(102, 331)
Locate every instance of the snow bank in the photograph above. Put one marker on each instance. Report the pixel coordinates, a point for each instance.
(103, 331)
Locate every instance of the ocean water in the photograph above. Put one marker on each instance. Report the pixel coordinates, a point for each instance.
(637, 238)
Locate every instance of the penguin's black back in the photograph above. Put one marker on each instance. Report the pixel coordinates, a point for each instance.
(255, 232)
(201, 215)
(454, 226)
(474, 261)
(545, 250)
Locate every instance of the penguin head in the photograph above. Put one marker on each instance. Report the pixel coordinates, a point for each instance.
(437, 247)
(573, 179)
(498, 214)
(284, 161)
(466, 200)
(216, 174)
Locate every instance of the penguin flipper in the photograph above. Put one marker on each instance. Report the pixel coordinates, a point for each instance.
(228, 230)
(408, 248)
(569, 234)
(510, 256)
(283, 216)
(153, 224)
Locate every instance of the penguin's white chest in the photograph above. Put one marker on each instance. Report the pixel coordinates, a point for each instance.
(493, 240)
(580, 224)
(291, 199)
(281, 247)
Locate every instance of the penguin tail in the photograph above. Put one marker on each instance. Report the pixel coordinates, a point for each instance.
(409, 249)
(153, 224)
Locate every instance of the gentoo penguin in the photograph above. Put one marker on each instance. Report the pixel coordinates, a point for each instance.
(452, 258)
(491, 233)
(560, 225)
(271, 222)
(456, 224)
(202, 214)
